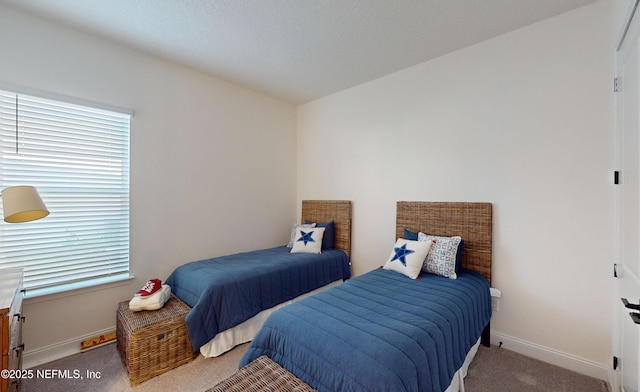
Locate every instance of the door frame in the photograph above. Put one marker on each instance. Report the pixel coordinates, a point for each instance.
(629, 34)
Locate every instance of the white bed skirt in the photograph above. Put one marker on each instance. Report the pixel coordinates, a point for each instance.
(246, 331)
(457, 384)
(242, 333)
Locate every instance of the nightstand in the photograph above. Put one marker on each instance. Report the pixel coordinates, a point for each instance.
(11, 319)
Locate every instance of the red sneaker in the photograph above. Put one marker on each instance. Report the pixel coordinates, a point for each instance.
(151, 287)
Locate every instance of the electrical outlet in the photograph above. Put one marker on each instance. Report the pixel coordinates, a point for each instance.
(495, 304)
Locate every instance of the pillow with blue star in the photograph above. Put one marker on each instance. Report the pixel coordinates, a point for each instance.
(407, 257)
(293, 237)
(308, 240)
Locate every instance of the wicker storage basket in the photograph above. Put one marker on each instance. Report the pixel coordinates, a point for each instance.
(152, 342)
(262, 375)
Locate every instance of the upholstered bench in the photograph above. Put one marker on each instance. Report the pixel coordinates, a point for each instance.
(152, 342)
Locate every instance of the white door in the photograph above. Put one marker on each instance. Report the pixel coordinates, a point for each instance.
(626, 331)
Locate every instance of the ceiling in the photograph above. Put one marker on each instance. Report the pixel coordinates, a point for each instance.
(297, 50)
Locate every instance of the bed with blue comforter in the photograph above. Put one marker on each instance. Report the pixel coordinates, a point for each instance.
(379, 332)
(383, 331)
(225, 291)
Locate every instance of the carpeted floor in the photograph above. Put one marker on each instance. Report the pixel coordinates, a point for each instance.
(497, 370)
(197, 375)
(493, 370)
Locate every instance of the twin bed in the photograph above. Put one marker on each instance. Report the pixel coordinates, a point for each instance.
(382, 331)
(231, 296)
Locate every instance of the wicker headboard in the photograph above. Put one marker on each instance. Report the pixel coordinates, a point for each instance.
(338, 211)
(471, 221)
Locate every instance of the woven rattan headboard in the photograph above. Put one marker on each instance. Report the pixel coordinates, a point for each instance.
(338, 211)
(471, 221)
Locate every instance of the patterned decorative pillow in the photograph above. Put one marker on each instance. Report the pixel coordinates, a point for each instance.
(292, 237)
(407, 257)
(441, 259)
(308, 240)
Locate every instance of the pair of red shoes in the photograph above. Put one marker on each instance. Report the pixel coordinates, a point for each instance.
(149, 288)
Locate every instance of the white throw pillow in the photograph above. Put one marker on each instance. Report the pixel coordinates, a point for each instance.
(292, 237)
(407, 257)
(308, 240)
(441, 259)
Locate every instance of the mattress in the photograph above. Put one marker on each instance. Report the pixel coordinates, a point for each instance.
(380, 331)
(225, 291)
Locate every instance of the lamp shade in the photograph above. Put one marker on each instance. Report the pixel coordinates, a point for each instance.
(22, 204)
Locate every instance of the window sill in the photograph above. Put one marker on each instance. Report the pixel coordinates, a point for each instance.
(78, 288)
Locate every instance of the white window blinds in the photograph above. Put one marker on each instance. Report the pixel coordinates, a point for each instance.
(78, 159)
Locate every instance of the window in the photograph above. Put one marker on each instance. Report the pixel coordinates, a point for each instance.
(78, 159)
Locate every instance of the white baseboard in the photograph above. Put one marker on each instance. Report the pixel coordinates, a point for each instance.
(552, 356)
(577, 364)
(59, 350)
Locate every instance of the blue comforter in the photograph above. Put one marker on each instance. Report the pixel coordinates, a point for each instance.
(225, 291)
(380, 331)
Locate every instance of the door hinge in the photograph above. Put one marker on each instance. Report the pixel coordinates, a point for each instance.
(616, 362)
(616, 177)
(617, 84)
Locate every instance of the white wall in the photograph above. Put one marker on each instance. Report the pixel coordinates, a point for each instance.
(208, 161)
(523, 121)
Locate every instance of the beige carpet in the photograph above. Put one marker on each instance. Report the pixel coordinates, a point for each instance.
(197, 375)
(494, 370)
(497, 370)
